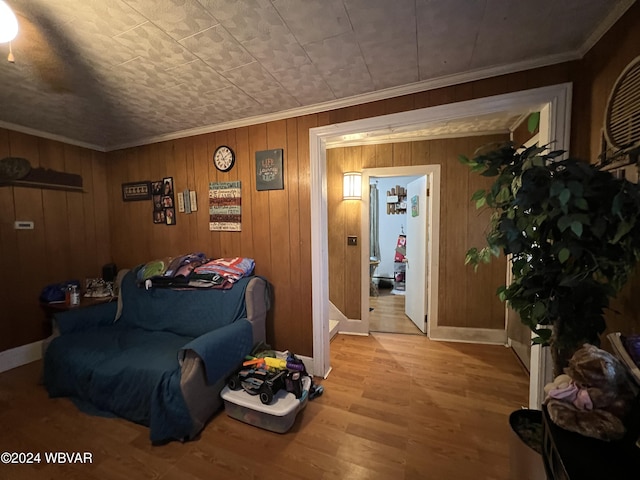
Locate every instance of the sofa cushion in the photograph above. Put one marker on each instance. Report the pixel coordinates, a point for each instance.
(113, 368)
(189, 313)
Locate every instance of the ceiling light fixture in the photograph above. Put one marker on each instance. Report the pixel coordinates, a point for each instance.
(8, 23)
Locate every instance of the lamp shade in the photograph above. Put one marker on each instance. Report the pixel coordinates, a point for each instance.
(352, 186)
(8, 23)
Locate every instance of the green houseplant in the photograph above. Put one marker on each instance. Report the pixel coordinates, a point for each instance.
(573, 235)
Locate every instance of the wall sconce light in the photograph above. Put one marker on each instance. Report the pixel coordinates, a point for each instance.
(352, 186)
(8, 23)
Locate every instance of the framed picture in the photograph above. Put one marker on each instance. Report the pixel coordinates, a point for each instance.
(170, 216)
(136, 191)
(167, 186)
(156, 187)
(269, 171)
(163, 194)
(157, 203)
(158, 216)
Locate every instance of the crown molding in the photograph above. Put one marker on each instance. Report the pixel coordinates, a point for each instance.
(608, 22)
(51, 136)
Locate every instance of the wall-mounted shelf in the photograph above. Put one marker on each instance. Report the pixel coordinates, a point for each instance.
(49, 179)
(396, 200)
(17, 172)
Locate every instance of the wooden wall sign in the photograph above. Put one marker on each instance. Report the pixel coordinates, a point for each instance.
(269, 172)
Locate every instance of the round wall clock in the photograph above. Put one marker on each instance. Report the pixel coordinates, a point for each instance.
(224, 158)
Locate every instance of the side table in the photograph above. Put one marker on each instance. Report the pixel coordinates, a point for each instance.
(50, 309)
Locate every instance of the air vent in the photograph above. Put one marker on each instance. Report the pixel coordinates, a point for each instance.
(622, 121)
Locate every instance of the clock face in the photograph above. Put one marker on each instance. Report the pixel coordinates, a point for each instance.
(224, 158)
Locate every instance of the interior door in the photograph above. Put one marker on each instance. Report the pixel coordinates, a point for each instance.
(415, 305)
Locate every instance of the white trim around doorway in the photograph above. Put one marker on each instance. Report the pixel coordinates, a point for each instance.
(558, 97)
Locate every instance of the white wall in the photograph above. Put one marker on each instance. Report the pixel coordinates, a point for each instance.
(390, 225)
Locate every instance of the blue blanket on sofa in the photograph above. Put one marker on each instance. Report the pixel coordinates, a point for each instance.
(130, 367)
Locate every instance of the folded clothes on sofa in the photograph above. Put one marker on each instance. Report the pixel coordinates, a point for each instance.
(171, 267)
(231, 269)
(195, 270)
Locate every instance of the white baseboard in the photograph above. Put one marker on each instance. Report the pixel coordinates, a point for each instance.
(16, 357)
(469, 335)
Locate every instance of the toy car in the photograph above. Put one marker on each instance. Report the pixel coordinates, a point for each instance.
(258, 381)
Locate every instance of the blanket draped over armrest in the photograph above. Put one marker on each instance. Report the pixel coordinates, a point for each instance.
(220, 356)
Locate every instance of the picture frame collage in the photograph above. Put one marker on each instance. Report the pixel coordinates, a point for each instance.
(164, 209)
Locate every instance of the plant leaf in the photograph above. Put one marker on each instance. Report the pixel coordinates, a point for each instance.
(478, 194)
(624, 227)
(581, 203)
(564, 222)
(564, 254)
(576, 227)
(533, 122)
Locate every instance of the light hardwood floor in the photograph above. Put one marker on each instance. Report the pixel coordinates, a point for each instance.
(388, 315)
(394, 407)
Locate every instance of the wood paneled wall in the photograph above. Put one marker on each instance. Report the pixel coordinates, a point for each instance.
(466, 299)
(70, 239)
(276, 229)
(602, 66)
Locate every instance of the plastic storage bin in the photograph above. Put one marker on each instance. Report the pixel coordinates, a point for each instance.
(277, 417)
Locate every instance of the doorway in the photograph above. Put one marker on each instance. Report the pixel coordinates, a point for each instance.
(389, 212)
(557, 97)
(421, 257)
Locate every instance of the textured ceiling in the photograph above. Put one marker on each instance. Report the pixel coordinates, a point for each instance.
(110, 73)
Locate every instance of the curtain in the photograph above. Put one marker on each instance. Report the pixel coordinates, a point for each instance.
(374, 239)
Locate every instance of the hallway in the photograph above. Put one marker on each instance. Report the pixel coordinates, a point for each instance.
(388, 314)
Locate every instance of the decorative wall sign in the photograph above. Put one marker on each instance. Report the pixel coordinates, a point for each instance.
(269, 171)
(225, 202)
(136, 191)
(414, 206)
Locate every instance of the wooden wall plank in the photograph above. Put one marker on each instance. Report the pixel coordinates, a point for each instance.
(9, 259)
(246, 173)
(337, 228)
(304, 324)
(28, 206)
(384, 155)
(201, 162)
(351, 263)
(279, 224)
(292, 173)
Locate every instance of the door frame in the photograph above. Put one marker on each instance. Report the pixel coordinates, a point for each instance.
(558, 97)
(433, 238)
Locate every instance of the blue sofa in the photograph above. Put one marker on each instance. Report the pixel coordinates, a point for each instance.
(158, 357)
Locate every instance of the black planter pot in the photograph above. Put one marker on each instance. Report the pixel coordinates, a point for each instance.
(525, 446)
